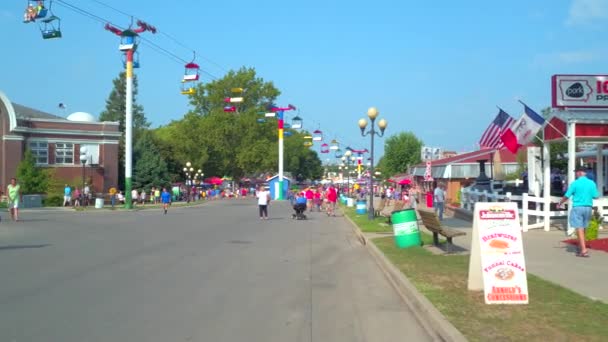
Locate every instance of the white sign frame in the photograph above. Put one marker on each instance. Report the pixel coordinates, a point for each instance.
(579, 91)
(497, 264)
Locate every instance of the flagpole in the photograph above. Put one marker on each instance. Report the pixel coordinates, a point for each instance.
(547, 123)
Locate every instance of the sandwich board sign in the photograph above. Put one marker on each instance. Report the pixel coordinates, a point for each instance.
(497, 265)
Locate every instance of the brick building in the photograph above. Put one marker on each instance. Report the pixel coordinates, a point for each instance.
(56, 143)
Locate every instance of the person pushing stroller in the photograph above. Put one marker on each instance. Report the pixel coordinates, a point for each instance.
(300, 207)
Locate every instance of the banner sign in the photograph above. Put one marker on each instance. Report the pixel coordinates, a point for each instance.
(579, 91)
(497, 261)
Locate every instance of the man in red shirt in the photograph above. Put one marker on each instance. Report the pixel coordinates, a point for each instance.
(332, 198)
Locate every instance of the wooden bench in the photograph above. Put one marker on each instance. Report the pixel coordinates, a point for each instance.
(388, 211)
(378, 210)
(432, 223)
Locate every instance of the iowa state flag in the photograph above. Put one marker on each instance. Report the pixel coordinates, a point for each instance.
(523, 130)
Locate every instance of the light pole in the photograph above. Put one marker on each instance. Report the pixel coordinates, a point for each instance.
(83, 160)
(372, 114)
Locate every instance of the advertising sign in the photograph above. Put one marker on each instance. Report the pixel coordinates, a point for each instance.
(579, 91)
(430, 153)
(497, 261)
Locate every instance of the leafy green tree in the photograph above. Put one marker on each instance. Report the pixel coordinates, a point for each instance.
(400, 152)
(221, 143)
(115, 111)
(32, 178)
(150, 169)
(257, 94)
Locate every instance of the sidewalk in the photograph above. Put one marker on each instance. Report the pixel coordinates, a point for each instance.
(551, 259)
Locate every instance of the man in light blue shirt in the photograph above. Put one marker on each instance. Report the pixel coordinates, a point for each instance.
(67, 195)
(582, 191)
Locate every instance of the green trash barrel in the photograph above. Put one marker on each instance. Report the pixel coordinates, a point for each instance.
(405, 228)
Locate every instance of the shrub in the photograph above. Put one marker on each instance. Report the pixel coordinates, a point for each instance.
(592, 231)
(53, 201)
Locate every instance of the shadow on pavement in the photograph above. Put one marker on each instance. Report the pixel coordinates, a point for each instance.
(10, 247)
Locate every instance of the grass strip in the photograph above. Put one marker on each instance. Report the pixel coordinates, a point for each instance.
(554, 313)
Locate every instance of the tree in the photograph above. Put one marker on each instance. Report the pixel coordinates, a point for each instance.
(257, 93)
(32, 178)
(150, 169)
(116, 105)
(558, 149)
(400, 152)
(115, 111)
(221, 143)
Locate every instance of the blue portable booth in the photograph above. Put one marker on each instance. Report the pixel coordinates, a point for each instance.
(273, 185)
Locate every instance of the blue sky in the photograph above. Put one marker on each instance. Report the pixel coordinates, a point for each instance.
(438, 69)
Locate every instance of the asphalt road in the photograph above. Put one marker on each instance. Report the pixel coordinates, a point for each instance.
(210, 273)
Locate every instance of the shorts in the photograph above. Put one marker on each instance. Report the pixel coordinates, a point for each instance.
(579, 217)
(67, 198)
(13, 204)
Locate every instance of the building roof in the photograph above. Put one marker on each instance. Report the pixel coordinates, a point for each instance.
(472, 157)
(24, 113)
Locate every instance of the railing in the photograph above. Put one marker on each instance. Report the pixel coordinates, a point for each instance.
(531, 218)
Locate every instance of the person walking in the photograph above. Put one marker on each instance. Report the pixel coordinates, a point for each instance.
(77, 197)
(263, 196)
(165, 198)
(332, 198)
(439, 201)
(67, 196)
(134, 197)
(14, 197)
(582, 191)
(85, 195)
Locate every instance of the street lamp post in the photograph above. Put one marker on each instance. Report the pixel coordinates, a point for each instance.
(372, 114)
(83, 160)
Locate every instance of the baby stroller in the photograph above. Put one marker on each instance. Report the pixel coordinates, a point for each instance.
(299, 211)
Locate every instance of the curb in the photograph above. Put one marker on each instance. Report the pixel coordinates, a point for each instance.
(427, 315)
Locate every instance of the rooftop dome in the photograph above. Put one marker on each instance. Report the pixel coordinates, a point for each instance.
(81, 116)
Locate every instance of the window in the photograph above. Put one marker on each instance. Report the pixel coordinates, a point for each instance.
(40, 150)
(64, 153)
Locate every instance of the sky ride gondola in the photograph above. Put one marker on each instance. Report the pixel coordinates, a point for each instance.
(338, 153)
(317, 135)
(324, 148)
(51, 27)
(334, 145)
(296, 122)
(192, 72)
(308, 143)
(34, 10)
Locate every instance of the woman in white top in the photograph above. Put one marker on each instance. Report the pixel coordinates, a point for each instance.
(263, 196)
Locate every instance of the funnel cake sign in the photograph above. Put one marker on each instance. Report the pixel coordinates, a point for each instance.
(497, 255)
(579, 91)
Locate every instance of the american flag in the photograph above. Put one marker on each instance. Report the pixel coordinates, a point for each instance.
(491, 136)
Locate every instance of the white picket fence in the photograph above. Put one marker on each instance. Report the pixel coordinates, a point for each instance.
(539, 217)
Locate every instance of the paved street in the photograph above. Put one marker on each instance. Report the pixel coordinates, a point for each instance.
(209, 273)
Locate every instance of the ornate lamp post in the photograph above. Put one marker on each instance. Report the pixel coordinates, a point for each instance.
(83, 160)
(372, 114)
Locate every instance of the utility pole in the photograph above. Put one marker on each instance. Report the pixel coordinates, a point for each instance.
(128, 44)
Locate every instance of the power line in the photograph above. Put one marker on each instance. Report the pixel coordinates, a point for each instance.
(114, 8)
(170, 37)
(102, 20)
